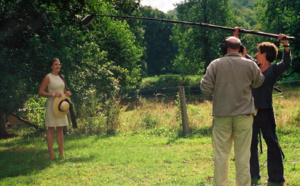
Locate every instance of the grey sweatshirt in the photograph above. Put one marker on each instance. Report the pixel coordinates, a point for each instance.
(230, 79)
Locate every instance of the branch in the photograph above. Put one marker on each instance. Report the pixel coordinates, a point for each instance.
(28, 123)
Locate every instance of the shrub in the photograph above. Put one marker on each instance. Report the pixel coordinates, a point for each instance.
(99, 114)
(34, 110)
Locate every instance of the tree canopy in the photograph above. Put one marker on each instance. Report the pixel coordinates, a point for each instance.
(198, 46)
(102, 57)
(111, 55)
(160, 49)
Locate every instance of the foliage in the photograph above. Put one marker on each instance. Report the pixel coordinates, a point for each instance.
(116, 38)
(105, 52)
(96, 116)
(283, 17)
(243, 13)
(198, 46)
(34, 110)
(168, 84)
(90, 116)
(26, 25)
(102, 57)
(159, 49)
(242, 3)
(108, 56)
(169, 80)
(112, 111)
(131, 8)
(149, 120)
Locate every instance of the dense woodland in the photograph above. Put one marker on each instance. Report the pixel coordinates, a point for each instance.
(110, 56)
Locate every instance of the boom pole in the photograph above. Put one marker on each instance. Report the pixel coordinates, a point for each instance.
(88, 19)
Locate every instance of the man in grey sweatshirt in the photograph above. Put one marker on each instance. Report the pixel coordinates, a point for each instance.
(229, 80)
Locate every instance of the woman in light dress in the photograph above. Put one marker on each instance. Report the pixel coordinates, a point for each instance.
(53, 85)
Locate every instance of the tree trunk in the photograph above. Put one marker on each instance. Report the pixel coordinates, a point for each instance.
(3, 133)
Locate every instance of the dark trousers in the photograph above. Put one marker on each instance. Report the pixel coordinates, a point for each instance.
(265, 121)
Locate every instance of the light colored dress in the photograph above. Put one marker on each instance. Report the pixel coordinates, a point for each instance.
(56, 84)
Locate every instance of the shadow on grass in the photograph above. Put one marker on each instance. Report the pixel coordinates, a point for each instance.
(194, 133)
(25, 161)
(28, 154)
(22, 160)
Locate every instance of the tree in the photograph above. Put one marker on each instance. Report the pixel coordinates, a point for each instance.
(132, 8)
(101, 58)
(283, 17)
(198, 46)
(160, 51)
(115, 37)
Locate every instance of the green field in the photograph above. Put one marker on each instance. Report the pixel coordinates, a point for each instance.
(135, 155)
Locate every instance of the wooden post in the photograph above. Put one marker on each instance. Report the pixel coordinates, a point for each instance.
(184, 116)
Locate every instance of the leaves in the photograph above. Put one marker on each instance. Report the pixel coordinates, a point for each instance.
(160, 51)
(102, 57)
(198, 46)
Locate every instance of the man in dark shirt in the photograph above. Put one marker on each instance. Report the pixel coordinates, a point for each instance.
(265, 120)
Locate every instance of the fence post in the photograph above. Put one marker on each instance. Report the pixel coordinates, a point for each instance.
(184, 116)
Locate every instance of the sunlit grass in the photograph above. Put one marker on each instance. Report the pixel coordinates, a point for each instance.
(153, 114)
(286, 107)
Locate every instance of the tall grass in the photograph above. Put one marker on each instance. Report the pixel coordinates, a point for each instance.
(286, 107)
(154, 112)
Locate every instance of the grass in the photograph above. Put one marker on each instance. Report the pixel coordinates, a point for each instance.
(118, 160)
(148, 149)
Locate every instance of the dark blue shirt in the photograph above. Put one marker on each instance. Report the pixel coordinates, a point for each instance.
(263, 94)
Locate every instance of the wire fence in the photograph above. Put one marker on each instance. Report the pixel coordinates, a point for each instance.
(192, 92)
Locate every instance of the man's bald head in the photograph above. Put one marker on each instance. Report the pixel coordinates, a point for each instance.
(233, 43)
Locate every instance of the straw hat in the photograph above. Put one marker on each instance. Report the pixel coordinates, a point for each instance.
(61, 105)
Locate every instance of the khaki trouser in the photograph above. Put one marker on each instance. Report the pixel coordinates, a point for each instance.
(240, 127)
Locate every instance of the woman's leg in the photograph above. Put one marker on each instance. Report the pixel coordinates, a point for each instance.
(49, 137)
(60, 140)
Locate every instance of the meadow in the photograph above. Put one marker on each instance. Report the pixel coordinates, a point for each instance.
(147, 149)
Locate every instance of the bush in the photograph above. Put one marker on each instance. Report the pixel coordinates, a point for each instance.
(34, 110)
(169, 80)
(167, 86)
(99, 115)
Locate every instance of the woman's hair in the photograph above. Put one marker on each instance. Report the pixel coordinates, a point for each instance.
(270, 49)
(60, 75)
(52, 61)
